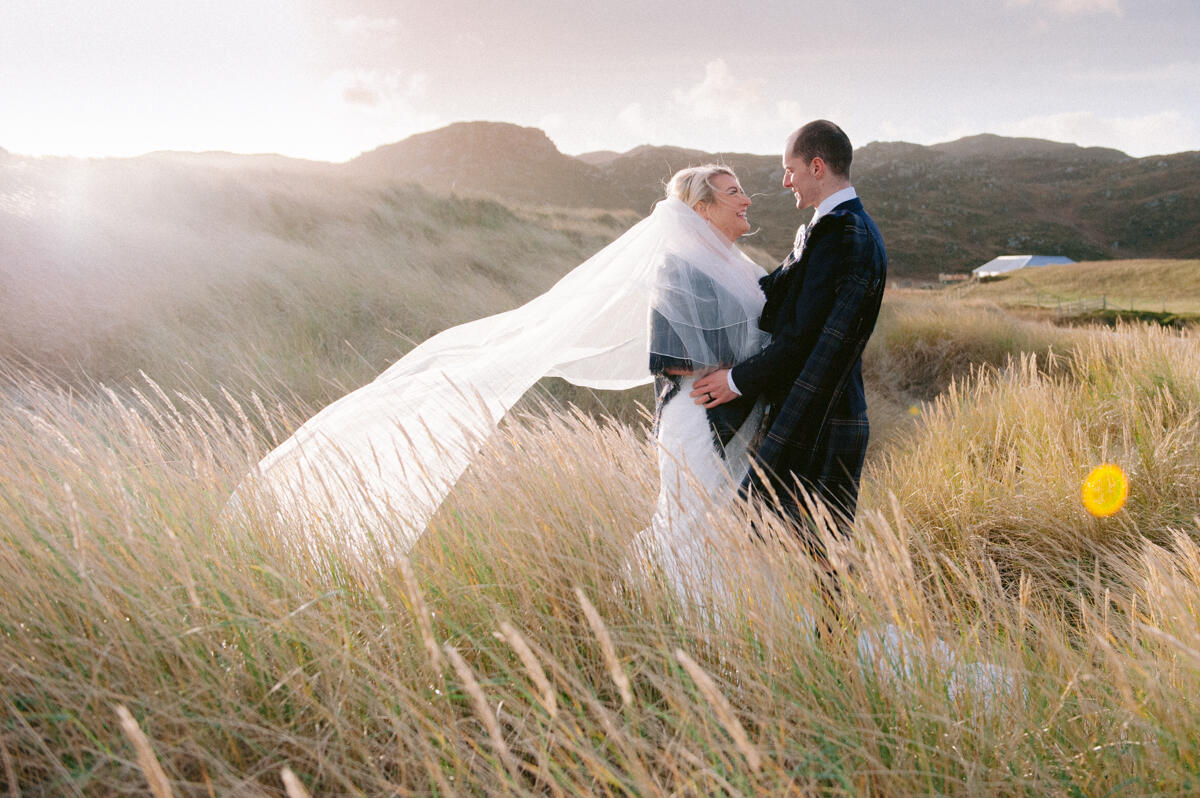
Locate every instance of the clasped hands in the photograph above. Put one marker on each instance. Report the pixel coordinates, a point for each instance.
(710, 390)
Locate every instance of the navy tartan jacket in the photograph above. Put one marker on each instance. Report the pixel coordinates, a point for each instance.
(820, 310)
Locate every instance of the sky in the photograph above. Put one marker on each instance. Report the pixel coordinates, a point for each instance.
(329, 79)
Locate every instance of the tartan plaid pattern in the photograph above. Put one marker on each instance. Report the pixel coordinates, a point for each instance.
(820, 310)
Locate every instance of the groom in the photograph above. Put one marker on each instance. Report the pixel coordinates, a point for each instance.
(821, 306)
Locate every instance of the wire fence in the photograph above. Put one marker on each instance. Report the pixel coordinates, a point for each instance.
(1077, 307)
(1074, 306)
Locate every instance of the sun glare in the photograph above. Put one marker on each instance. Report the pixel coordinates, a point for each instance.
(1105, 490)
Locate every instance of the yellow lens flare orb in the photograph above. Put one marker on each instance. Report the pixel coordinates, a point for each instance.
(1105, 490)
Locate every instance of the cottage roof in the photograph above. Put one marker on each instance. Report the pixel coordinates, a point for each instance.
(1010, 263)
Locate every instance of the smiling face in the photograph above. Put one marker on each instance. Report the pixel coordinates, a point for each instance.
(727, 209)
(801, 178)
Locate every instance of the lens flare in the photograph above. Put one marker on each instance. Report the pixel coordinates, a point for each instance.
(1105, 490)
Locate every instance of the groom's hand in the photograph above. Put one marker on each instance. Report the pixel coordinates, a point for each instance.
(713, 389)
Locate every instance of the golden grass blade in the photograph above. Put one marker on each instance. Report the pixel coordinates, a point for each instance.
(10, 772)
(420, 612)
(606, 647)
(151, 769)
(723, 709)
(292, 784)
(482, 709)
(532, 666)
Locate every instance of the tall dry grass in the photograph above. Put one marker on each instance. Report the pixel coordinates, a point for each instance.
(515, 652)
(924, 342)
(996, 466)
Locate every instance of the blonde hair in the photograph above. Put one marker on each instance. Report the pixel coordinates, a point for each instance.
(694, 184)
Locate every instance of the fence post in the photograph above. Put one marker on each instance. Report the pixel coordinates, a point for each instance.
(1104, 302)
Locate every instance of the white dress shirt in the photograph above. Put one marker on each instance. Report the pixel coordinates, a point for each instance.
(823, 207)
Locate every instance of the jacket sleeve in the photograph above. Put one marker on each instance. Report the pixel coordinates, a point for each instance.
(808, 302)
(844, 330)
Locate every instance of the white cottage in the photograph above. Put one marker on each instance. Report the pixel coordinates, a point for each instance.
(1010, 263)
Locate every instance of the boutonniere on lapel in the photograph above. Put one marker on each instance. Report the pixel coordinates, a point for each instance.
(797, 248)
(800, 240)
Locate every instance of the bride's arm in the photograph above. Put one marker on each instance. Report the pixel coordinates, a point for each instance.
(663, 338)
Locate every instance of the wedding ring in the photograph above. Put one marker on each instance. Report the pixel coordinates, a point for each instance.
(709, 395)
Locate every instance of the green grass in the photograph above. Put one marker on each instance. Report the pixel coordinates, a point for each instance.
(1113, 318)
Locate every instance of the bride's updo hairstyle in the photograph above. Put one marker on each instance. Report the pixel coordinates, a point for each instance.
(694, 184)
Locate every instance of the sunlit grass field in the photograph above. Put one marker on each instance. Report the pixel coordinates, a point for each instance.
(986, 635)
(515, 652)
(1161, 285)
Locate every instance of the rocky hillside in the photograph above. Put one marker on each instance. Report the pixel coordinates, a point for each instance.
(948, 207)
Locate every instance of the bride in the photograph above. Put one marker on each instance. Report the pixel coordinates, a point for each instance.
(700, 319)
(671, 299)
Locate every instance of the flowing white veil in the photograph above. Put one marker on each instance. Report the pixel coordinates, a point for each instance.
(389, 452)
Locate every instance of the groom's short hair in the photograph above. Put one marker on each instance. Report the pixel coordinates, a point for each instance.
(825, 140)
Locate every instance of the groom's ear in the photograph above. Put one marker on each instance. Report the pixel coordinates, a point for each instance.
(818, 166)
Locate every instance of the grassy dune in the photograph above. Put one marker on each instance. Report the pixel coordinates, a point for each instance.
(295, 279)
(989, 636)
(515, 653)
(1156, 285)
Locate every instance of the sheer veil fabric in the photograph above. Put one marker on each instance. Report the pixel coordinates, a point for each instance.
(387, 454)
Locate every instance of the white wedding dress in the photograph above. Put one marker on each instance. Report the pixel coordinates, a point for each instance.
(696, 476)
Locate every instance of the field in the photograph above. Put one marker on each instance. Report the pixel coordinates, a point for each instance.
(1171, 286)
(988, 636)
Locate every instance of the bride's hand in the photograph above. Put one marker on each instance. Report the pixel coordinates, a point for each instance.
(713, 389)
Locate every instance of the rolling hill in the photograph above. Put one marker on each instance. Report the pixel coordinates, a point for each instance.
(109, 262)
(503, 161)
(942, 208)
(205, 268)
(946, 207)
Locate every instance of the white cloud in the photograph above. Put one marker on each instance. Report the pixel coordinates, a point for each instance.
(367, 26)
(378, 89)
(633, 121)
(793, 112)
(553, 124)
(722, 111)
(366, 108)
(722, 97)
(1152, 134)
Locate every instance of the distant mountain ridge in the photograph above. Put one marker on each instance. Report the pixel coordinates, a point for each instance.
(989, 145)
(945, 207)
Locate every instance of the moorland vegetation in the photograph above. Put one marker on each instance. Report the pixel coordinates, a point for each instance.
(153, 644)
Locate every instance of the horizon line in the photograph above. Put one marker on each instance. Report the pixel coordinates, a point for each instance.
(313, 160)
